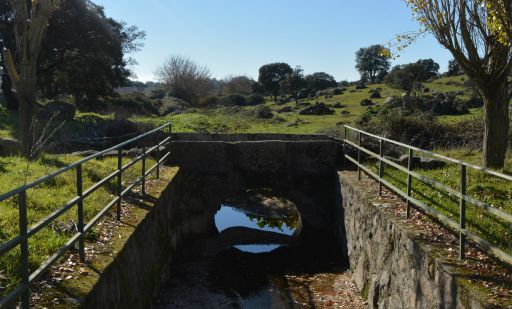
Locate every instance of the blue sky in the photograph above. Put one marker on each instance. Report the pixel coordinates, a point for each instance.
(235, 37)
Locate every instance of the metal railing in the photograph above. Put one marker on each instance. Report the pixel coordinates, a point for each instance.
(460, 194)
(25, 232)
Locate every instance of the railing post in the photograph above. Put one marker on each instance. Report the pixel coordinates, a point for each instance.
(119, 182)
(143, 189)
(344, 160)
(359, 156)
(409, 182)
(157, 159)
(24, 271)
(79, 193)
(462, 236)
(381, 165)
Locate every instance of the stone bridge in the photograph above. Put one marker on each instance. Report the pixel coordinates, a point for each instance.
(391, 268)
(302, 169)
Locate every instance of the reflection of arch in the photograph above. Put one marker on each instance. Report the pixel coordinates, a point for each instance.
(233, 236)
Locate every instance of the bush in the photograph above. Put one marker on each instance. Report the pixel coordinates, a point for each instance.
(283, 100)
(366, 102)
(422, 129)
(211, 100)
(375, 95)
(133, 104)
(255, 99)
(237, 99)
(338, 91)
(474, 103)
(170, 105)
(157, 94)
(58, 110)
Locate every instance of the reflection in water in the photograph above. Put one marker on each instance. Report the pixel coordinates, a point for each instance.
(305, 274)
(230, 216)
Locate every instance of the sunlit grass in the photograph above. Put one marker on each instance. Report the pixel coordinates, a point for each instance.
(495, 191)
(42, 200)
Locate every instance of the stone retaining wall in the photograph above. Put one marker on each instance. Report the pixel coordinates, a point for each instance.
(392, 267)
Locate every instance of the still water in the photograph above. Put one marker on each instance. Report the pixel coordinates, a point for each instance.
(309, 275)
(231, 216)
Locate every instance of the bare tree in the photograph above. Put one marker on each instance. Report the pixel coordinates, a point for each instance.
(30, 24)
(185, 79)
(462, 27)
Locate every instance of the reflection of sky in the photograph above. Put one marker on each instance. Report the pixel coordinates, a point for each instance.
(257, 248)
(228, 217)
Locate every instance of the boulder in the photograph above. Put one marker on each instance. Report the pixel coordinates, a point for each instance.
(388, 100)
(366, 102)
(345, 113)
(9, 147)
(293, 123)
(421, 162)
(361, 86)
(318, 109)
(262, 112)
(338, 105)
(58, 110)
(286, 109)
(84, 153)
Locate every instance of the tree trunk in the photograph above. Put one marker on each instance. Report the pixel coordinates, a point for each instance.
(27, 98)
(497, 123)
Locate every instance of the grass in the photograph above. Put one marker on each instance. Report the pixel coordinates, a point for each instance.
(225, 120)
(489, 189)
(48, 197)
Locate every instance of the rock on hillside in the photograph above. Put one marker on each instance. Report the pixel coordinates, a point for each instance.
(318, 109)
(9, 147)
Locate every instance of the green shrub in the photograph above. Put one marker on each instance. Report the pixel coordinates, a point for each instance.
(255, 99)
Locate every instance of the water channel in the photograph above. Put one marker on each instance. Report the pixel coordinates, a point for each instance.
(263, 275)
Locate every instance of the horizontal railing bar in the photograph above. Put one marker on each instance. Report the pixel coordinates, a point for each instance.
(486, 245)
(100, 183)
(489, 247)
(8, 245)
(129, 188)
(150, 150)
(418, 203)
(75, 164)
(131, 163)
(50, 218)
(38, 273)
(7, 300)
(164, 158)
(96, 218)
(152, 168)
(49, 262)
(439, 185)
(436, 155)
